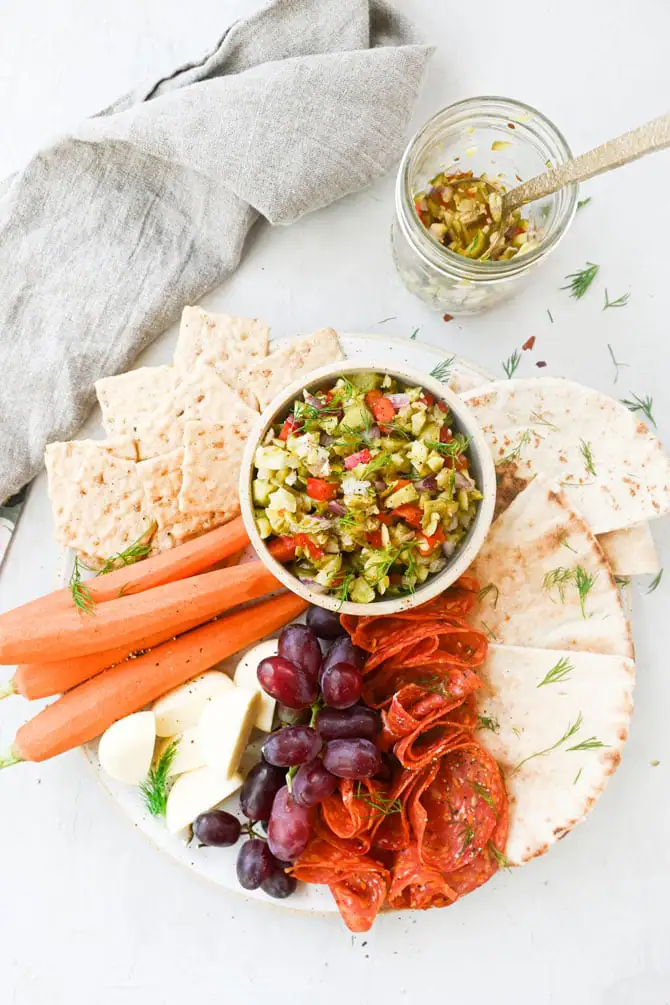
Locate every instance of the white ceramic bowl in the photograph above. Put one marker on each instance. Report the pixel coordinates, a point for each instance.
(481, 466)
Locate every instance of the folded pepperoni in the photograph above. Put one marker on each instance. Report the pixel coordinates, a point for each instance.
(416, 885)
(484, 865)
(455, 815)
(358, 883)
(352, 809)
(391, 832)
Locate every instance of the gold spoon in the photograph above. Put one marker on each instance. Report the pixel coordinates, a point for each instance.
(655, 135)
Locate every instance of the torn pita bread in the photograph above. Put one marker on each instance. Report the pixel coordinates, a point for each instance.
(153, 404)
(211, 467)
(631, 552)
(530, 569)
(533, 699)
(267, 377)
(229, 344)
(98, 504)
(161, 479)
(612, 469)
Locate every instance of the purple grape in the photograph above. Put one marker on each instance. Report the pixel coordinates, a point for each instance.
(348, 723)
(292, 745)
(290, 827)
(312, 783)
(325, 624)
(216, 828)
(292, 716)
(278, 884)
(341, 685)
(344, 651)
(286, 682)
(254, 864)
(352, 758)
(259, 790)
(299, 645)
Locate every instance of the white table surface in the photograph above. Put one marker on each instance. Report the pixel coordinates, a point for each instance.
(89, 911)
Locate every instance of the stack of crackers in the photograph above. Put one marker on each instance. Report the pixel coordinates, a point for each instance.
(175, 437)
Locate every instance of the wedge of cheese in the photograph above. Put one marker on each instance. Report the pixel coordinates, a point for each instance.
(194, 793)
(180, 709)
(245, 676)
(224, 729)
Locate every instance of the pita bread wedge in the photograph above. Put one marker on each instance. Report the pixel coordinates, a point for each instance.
(153, 404)
(229, 344)
(211, 467)
(556, 721)
(267, 377)
(98, 504)
(631, 552)
(161, 480)
(612, 469)
(545, 581)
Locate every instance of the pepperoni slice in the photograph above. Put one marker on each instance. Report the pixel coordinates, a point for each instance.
(352, 810)
(485, 864)
(392, 831)
(416, 885)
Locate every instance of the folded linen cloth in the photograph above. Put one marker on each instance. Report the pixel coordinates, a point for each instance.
(107, 233)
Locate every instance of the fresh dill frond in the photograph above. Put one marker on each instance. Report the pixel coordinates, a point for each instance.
(622, 580)
(573, 728)
(655, 582)
(637, 404)
(617, 364)
(133, 553)
(490, 634)
(559, 672)
(584, 582)
(376, 464)
(516, 451)
(484, 794)
(503, 862)
(577, 776)
(442, 371)
(491, 588)
(539, 419)
(378, 802)
(468, 837)
(488, 722)
(558, 579)
(619, 302)
(455, 448)
(592, 743)
(517, 732)
(81, 595)
(587, 454)
(344, 587)
(154, 788)
(414, 334)
(580, 281)
(583, 202)
(564, 543)
(510, 365)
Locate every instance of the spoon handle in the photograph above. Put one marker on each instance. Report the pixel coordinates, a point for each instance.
(654, 135)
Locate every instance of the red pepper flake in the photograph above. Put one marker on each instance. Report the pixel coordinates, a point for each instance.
(510, 125)
(529, 343)
(447, 317)
(541, 362)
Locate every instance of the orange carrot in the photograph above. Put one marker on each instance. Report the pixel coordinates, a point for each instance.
(42, 680)
(71, 632)
(188, 559)
(88, 710)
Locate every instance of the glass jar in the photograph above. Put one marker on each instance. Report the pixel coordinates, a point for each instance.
(461, 138)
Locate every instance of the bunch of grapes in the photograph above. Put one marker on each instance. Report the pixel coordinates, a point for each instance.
(325, 734)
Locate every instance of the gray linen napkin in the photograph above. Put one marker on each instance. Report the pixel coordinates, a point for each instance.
(107, 233)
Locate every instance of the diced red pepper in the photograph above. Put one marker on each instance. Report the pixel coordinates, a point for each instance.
(383, 409)
(321, 490)
(428, 542)
(442, 407)
(445, 435)
(411, 514)
(385, 518)
(282, 548)
(374, 395)
(400, 483)
(360, 457)
(374, 539)
(427, 398)
(290, 426)
(304, 541)
(459, 462)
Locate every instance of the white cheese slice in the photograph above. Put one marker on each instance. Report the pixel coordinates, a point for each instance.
(180, 709)
(245, 676)
(126, 748)
(194, 793)
(188, 756)
(224, 729)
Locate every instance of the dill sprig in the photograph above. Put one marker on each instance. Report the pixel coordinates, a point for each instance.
(577, 776)
(584, 582)
(442, 370)
(154, 788)
(484, 794)
(619, 302)
(499, 856)
(490, 634)
(458, 446)
(655, 582)
(491, 588)
(376, 464)
(591, 743)
(378, 802)
(510, 365)
(538, 418)
(133, 553)
(564, 543)
(638, 404)
(81, 595)
(580, 281)
(488, 722)
(344, 587)
(516, 451)
(622, 580)
(559, 672)
(587, 454)
(414, 334)
(583, 202)
(468, 837)
(558, 579)
(617, 364)
(573, 728)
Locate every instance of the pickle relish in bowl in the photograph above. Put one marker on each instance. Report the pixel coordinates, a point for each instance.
(364, 488)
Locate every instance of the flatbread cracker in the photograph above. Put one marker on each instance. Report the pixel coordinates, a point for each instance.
(153, 404)
(631, 552)
(211, 468)
(161, 479)
(98, 504)
(266, 378)
(229, 344)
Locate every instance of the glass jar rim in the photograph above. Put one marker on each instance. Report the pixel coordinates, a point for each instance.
(427, 246)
